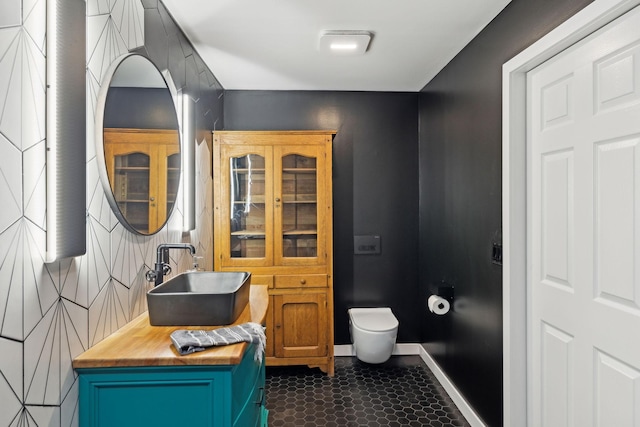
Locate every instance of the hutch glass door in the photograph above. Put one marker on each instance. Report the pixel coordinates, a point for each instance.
(249, 199)
(131, 188)
(173, 180)
(297, 201)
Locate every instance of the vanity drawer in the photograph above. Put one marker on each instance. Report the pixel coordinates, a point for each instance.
(301, 281)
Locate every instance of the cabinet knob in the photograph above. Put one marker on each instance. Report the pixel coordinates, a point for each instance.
(278, 199)
(152, 198)
(302, 281)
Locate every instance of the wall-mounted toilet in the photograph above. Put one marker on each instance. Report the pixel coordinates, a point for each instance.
(373, 333)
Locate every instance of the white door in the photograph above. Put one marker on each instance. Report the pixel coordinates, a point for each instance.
(583, 197)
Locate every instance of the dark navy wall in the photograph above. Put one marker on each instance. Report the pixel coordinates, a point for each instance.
(375, 188)
(148, 108)
(460, 198)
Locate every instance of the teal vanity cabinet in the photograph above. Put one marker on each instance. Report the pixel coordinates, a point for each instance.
(136, 378)
(215, 395)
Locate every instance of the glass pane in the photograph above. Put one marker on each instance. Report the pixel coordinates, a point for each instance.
(173, 180)
(131, 189)
(247, 207)
(300, 208)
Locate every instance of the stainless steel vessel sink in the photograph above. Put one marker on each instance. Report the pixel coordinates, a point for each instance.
(199, 298)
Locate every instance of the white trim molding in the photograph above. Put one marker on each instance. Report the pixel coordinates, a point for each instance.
(455, 395)
(514, 194)
(401, 349)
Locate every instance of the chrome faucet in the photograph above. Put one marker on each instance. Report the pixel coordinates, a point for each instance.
(162, 267)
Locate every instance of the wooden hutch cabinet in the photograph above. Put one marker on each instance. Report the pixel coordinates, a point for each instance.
(143, 166)
(273, 217)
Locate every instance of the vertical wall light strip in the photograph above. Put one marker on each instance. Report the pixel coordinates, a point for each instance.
(66, 129)
(51, 133)
(189, 162)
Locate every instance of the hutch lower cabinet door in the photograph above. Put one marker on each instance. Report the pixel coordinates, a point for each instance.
(299, 322)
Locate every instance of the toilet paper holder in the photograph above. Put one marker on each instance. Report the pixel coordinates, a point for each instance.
(446, 291)
(441, 302)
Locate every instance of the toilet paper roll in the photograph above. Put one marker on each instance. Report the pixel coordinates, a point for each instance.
(438, 305)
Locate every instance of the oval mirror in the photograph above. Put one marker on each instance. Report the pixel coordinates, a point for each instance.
(138, 144)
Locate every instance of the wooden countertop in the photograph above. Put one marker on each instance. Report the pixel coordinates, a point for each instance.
(140, 344)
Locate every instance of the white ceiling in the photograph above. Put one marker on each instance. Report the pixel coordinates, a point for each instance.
(272, 44)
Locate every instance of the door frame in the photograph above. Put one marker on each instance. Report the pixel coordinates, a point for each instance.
(514, 193)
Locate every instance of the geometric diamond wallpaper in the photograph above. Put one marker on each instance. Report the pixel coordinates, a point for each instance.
(128, 15)
(10, 182)
(22, 87)
(50, 313)
(11, 380)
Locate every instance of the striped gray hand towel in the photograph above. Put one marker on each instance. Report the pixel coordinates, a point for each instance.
(190, 341)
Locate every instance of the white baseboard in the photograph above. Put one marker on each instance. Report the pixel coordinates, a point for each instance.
(464, 407)
(343, 350)
(346, 350)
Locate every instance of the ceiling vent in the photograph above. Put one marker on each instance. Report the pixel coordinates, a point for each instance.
(344, 43)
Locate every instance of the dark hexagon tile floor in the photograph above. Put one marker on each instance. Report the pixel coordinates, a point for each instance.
(399, 393)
